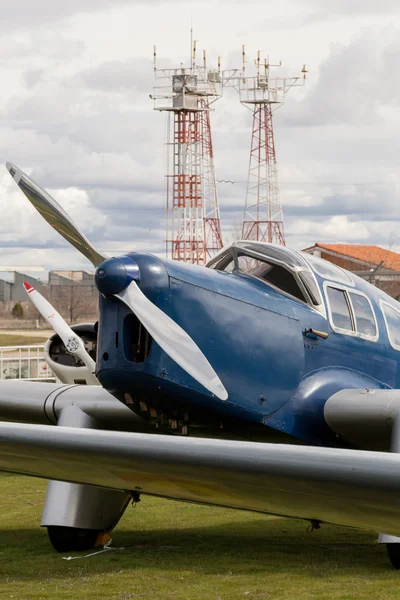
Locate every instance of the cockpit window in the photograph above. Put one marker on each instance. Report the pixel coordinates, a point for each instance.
(327, 270)
(365, 320)
(271, 273)
(227, 265)
(351, 313)
(392, 320)
(309, 281)
(279, 266)
(274, 252)
(340, 309)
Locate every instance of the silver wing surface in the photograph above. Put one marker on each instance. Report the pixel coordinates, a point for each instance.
(347, 487)
(43, 404)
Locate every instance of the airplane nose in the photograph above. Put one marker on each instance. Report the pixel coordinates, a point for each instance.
(114, 275)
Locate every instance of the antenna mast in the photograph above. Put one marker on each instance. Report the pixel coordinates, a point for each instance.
(193, 217)
(262, 94)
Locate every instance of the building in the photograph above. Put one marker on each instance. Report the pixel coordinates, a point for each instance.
(59, 281)
(373, 263)
(74, 295)
(12, 285)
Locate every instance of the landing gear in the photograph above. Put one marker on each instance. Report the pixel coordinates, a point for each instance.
(392, 542)
(72, 539)
(77, 516)
(393, 551)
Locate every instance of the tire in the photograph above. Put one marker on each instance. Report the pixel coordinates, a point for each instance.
(72, 539)
(393, 551)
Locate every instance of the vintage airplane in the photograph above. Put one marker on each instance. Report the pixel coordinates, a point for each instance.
(267, 380)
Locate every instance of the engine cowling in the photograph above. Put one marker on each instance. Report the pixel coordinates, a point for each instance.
(66, 367)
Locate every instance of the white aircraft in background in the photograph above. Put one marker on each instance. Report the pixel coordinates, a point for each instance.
(66, 353)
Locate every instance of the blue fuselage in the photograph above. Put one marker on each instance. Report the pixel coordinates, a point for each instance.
(278, 379)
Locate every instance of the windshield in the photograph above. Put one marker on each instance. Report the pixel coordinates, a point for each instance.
(327, 270)
(279, 266)
(273, 251)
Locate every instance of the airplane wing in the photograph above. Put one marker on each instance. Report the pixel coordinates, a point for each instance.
(43, 403)
(347, 487)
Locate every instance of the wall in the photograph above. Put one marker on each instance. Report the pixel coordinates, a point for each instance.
(59, 284)
(390, 287)
(18, 293)
(350, 265)
(5, 290)
(14, 290)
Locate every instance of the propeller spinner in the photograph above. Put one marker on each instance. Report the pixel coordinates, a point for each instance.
(120, 277)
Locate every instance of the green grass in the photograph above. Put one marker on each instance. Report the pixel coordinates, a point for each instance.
(176, 551)
(21, 340)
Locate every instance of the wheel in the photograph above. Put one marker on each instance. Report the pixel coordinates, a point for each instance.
(393, 551)
(70, 539)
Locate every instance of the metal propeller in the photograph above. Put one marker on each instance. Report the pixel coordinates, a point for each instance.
(169, 335)
(54, 214)
(73, 343)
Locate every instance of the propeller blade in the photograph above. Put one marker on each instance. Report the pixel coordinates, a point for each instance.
(168, 334)
(54, 214)
(172, 339)
(73, 343)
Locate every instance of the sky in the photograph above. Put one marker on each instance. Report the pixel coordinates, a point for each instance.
(76, 114)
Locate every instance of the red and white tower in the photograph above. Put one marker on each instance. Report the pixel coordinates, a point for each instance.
(263, 217)
(193, 227)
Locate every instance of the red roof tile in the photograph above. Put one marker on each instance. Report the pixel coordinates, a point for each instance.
(366, 253)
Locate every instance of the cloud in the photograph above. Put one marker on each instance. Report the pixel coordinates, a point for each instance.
(21, 14)
(121, 75)
(75, 111)
(32, 77)
(41, 50)
(355, 82)
(336, 228)
(325, 9)
(376, 202)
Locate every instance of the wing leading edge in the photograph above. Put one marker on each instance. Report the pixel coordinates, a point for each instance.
(347, 487)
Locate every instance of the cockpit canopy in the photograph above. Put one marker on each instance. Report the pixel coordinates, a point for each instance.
(285, 269)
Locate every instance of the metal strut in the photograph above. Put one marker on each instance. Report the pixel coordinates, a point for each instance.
(393, 542)
(75, 514)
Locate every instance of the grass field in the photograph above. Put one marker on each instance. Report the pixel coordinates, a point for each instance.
(21, 340)
(177, 551)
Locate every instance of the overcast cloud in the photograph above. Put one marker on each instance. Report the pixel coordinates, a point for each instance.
(27, 14)
(75, 113)
(354, 7)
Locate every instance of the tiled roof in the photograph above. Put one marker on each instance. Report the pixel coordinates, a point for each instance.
(364, 252)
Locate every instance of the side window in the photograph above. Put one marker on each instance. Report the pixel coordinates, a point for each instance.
(365, 320)
(392, 319)
(340, 309)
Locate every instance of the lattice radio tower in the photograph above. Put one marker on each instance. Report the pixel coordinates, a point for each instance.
(193, 227)
(263, 217)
